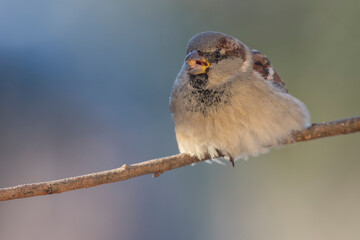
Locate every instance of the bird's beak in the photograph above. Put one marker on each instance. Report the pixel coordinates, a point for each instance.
(197, 64)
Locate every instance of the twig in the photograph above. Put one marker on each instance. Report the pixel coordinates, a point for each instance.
(160, 165)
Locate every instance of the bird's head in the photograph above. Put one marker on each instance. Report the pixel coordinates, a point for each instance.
(215, 56)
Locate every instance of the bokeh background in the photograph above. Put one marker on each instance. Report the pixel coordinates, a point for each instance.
(84, 87)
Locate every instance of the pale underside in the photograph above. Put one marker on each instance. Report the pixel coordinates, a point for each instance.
(258, 115)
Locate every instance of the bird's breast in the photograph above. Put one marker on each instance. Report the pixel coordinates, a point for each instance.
(205, 100)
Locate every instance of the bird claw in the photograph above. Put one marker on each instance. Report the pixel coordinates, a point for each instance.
(232, 161)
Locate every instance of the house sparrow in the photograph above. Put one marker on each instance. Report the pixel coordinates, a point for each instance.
(228, 100)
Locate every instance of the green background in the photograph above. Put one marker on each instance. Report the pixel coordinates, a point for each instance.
(85, 85)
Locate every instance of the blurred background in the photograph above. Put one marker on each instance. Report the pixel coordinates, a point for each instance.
(84, 87)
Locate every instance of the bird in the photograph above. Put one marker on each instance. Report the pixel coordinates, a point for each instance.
(228, 101)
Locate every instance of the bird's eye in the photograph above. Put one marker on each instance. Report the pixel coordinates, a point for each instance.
(217, 54)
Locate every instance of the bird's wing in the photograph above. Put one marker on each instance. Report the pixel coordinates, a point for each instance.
(262, 65)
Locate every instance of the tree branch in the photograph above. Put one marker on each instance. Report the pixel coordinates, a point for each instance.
(160, 165)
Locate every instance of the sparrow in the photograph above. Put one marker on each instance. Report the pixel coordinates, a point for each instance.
(228, 101)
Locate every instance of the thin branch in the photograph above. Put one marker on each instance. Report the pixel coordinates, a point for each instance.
(328, 129)
(160, 165)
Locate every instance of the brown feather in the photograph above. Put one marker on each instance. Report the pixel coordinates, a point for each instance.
(232, 49)
(262, 65)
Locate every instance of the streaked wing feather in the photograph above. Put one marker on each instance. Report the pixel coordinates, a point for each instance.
(263, 66)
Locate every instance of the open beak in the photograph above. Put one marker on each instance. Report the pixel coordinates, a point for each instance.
(197, 64)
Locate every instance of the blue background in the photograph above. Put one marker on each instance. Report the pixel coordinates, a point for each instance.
(84, 87)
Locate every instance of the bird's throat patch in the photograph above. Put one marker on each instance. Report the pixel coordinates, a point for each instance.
(199, 81)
